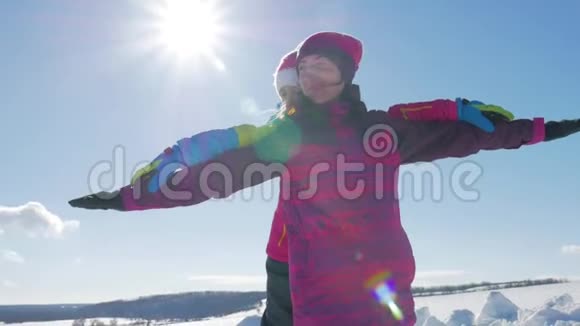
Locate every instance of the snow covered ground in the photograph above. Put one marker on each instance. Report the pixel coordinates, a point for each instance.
(525, 298)
(555, 304)
(106, 321)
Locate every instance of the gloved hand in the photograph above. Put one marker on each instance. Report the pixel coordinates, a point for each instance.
(561, 129)
(493, 112)
(481, 115)
(102, 200)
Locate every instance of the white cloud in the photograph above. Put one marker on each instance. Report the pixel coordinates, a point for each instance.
(11, 256)
(230, 279)
(571, 250)
(34, 219)
(1, 231)
(9, 284)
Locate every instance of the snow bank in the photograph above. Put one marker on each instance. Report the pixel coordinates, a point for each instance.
(497, 307)
(498, 310)
(433, 321)
(561, 310)
(460, 318)
(422, 315)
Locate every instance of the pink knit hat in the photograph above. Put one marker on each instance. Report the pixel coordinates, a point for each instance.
(346, 46)
(286, 74)
(346, 43)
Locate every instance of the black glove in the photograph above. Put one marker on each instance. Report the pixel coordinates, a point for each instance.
(561, 129)
(101, 200)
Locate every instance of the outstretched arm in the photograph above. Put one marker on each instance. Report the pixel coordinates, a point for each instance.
(216, 178)
(179, 184)
(425, 141)
(200, 148)
(474, 112)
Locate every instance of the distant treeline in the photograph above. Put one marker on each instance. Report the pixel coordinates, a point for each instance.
(483, 286)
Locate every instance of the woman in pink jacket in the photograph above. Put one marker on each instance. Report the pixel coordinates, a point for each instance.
(350, 260)
(278, 310)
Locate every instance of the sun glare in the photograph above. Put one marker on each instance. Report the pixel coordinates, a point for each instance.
(190, 28)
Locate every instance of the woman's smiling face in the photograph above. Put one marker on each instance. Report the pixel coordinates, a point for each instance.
(319, 78)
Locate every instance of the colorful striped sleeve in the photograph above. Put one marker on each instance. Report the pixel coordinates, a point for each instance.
(230, 167)
(208, 144)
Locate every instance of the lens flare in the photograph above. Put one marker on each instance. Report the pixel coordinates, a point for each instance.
(382, 286)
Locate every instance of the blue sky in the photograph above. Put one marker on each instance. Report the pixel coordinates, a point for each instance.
(78, 80)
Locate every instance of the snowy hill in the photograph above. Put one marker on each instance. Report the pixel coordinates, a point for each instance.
(555, 304)
(180, 306)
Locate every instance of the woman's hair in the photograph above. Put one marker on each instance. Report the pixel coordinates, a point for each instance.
(357, 108)
(310, 116)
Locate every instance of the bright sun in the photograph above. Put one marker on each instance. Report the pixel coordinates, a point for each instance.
(190, 28)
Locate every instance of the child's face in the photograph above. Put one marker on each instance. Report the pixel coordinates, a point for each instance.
(289, 94)
(319, 78)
